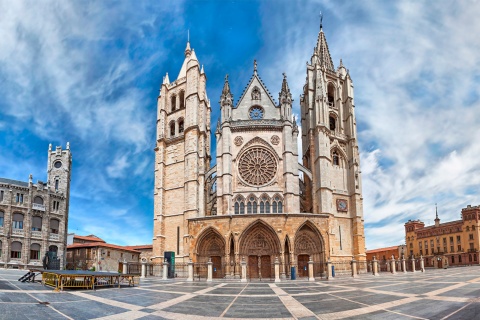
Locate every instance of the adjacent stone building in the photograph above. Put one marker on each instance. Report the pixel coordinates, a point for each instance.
(258, 204)
(443, 244)
(92, 253)
(34, 216)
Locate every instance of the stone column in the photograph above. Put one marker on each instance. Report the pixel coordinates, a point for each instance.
(354, 267)
(190, 270)
(144, 269)
(277, 270)
(310, 270)
(282, 266)
(329, 270)
(124, 267)
(388, 265)
(237, 266)
(413, 264)
(165, 270)
(404, 265)
(209, 270)
(422, 264)
(375, 266)
(393, 265)
(244, 270)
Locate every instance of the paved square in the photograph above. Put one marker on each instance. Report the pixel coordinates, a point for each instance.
(435, 294)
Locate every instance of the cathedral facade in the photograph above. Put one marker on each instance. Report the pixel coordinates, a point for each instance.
(258, 204)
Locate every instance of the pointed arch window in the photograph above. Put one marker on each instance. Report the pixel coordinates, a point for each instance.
(277, 205)
(331, 95)
(333, 123)
(239, 206)
(181, 98)
(263, 205)
(336, 158)
(180, 125)
(173, 102)
(172, 129)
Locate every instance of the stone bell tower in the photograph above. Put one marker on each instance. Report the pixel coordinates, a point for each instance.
(182, 157)
(330, 151)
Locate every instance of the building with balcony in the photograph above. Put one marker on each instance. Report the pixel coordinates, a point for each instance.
(387, 252)
(446, 244)
(34, 216)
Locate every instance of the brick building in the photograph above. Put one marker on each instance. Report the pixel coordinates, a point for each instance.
(450, 243)
(34, 216)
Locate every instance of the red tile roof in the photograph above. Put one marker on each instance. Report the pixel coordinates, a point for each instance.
(90, 237)
(141, 247)
(382, 249)
(99, 244)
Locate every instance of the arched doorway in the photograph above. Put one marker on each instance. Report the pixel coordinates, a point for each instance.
(260, 245)
(309, 244)
(211, 245)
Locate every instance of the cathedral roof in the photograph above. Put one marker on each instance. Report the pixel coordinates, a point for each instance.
(322, 52)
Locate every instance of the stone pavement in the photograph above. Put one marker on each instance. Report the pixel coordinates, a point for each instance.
(436, 294)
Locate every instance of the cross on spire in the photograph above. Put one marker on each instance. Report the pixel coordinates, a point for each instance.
(321, 20)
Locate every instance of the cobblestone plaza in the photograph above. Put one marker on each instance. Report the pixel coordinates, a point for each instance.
(437, 294)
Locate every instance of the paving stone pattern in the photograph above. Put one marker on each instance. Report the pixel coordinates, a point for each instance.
(435, 294)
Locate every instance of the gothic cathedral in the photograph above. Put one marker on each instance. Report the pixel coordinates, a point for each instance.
(258, 204)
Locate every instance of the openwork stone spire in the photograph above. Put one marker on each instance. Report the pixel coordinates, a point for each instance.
(285, 97)
(226, 99)
(322, 53)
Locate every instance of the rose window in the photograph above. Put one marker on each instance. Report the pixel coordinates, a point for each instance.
(257, 166)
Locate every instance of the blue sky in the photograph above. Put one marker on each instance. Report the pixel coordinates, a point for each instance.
(89, 72)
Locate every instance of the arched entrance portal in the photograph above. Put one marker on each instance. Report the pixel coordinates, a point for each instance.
(211, 245)
(309, 244)
(260, 246)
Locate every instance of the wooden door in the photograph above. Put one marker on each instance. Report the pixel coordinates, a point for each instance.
(217, 271)
(440, 263)
(252, 267)
(266, 270)
(303, 265)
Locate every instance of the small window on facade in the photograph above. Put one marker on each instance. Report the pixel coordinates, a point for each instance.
(336, 160)
(180, 126)
(19, 198)
(36, 223)
(172, 129)
(2, 216)
(182, 99)
(16, 251)
(38, 200)
(237, 208)
(468, 228)
(459, 258)
(121, 255)
(54, 225)
(331, 95)
(56, 184)
(471, 236)
(249, 207)
(17, 222)
(174, 102)
(35, 251)
(133, 256)
(1, 195)
(242, 208)
(332, 123)
(108, 253)
(1, 246)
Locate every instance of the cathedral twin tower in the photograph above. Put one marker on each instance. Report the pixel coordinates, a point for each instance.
(258, 204)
